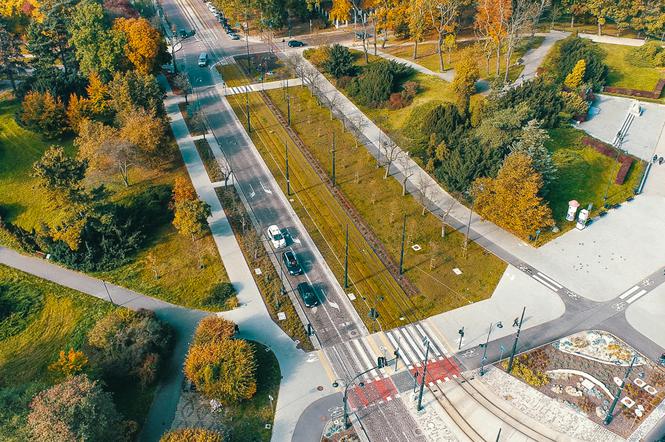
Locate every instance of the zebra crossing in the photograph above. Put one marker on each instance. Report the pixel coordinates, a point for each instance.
(361, 355)
(409, 341)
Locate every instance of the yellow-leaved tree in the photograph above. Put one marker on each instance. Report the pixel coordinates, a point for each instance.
(511, 200)
(576, 76)
(145, 47)
(71, 363)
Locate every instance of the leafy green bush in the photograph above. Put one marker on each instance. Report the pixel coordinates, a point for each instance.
(339, 62)
(220, 294)
(541, 98)
(377, 81)
(571, 50)
(649, 55)
(466, 160)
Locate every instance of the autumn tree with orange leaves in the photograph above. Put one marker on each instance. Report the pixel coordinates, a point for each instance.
(491, 26)
(145, 49)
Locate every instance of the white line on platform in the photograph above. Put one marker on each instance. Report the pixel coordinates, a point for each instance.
(550, 280)
(545, 283)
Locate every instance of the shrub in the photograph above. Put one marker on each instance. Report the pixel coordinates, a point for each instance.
(443, 121)
(192, 435)
(541, 99)
(467, 160)
(223, 370)
(70, 363)
(574, 105)
(650, 54)
(219, 295)
(128, 344)
(339, 61)
(45, 114)
(377, 81)
(75, 410)
(214, 329)
(317, 56)
(397, 101)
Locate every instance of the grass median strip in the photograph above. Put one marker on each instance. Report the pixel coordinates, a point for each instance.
(382, 206)
(209, 161)
(326, 221)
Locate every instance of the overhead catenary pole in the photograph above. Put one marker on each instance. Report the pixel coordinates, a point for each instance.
(517, 336)
(249, 124)
(334, 178)
(401, 253)
(422, 381)
(484, 358)
(346, 259)
(286, 155)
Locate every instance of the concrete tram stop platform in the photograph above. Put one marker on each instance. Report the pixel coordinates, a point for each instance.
(608, 114)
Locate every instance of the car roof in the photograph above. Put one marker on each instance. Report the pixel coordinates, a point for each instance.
(289, 253)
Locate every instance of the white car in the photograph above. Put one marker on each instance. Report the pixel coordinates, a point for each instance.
(276, 237)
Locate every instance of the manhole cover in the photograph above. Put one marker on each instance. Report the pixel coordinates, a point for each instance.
(320, 388)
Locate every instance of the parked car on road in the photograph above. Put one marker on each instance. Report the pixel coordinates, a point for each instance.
(275, 236)
(234, 36)
(295, 43)
(203, 59)
(291, 263)
(306, 292)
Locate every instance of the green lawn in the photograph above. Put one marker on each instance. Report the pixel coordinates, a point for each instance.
(58, 318)
(583, 175)
(246, 421)
(428, 57)
(382, 206)
(232, 75)
(167, 268)
(623, 74)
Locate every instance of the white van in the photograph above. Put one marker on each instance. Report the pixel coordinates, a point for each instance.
(203, 59)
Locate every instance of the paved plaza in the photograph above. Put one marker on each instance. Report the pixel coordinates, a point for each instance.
(608, 114)
(647, 315)
(514, 291)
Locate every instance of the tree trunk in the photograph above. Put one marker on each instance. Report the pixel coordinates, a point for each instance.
(385, 38)
(10, 74)
(404, 186)
(509, 54)
(375, 37)
(488, 64)
(498, 59)
(600, 28)
(415, 49)
(388, 163)
(572, 21)
(440, 52)
(124, 169)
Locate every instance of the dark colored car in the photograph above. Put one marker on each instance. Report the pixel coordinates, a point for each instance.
(296, 43)
(291, 263)
(307, 294)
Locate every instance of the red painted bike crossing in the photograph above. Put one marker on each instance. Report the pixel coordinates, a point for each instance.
(376, 392)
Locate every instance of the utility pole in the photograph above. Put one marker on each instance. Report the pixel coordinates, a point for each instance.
(346, 259)
(288, 110)
(286, 154)
(468, 229)
(484, 359)
(609, 417)
(249, 124)
(401, 253)
(422, 381)
(517, 336)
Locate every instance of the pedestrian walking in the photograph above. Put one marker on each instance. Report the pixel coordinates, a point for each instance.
(499, 324)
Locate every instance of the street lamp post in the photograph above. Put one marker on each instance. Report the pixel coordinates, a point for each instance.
(484, 359)
(517, 336)
(610, 411)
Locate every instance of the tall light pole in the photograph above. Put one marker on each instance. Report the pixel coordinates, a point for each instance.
(517, 336)
(422, 380)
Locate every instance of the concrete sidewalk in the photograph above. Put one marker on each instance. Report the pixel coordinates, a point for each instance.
(257, 87)
(301, 373)
(534, 57)
(613, 40)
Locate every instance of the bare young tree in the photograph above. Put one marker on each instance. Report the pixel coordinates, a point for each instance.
(522, 14)
(331, 101)
(407, 170)
(360, 122)
(312, 78)
(225, 167)
(424, 191)
(391, 152)
(445, 217)
(433, 248)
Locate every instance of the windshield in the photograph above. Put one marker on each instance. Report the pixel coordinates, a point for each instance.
(277, 236)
